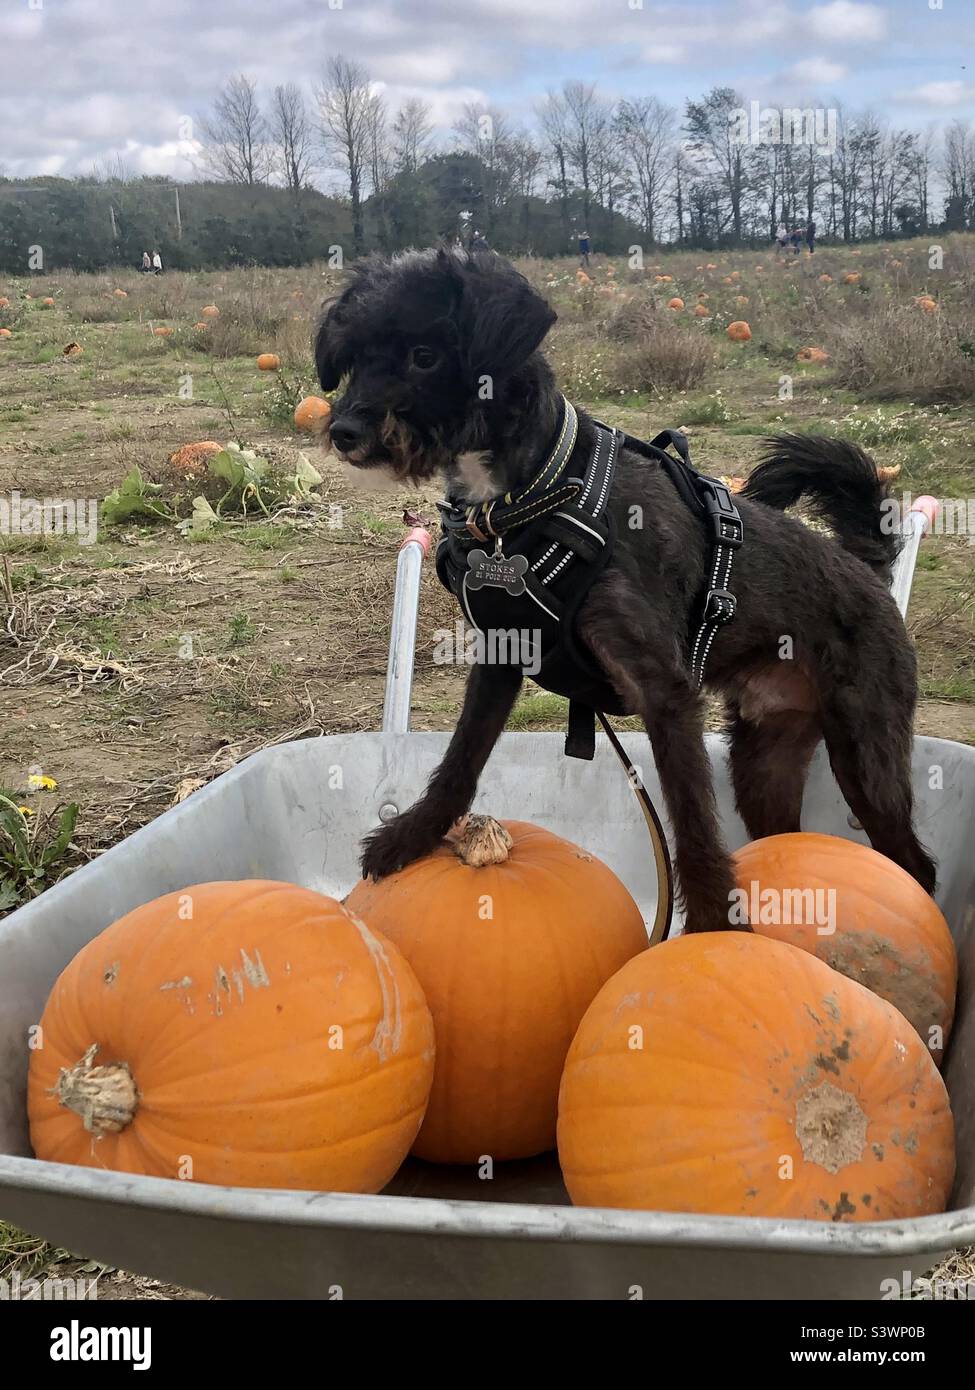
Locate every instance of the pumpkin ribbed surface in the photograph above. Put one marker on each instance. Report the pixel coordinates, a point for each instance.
(860, 913)
(511, 943)
(267, 1040)
(725, 1073)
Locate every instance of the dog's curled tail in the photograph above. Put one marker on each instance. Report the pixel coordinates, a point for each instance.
(842, 487)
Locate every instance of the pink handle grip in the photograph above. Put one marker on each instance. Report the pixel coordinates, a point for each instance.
(419, 536)
(928, 507)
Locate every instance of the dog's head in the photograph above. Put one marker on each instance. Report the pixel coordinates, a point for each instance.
(425, 343)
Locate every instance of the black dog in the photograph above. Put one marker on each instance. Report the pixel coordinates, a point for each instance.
(439, 351)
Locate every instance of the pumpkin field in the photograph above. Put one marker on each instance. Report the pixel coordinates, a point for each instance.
(236, 597)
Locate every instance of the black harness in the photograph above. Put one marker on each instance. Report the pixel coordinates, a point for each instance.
(521, 565)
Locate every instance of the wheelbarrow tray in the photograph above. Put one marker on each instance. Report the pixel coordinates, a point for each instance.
(442, 1232)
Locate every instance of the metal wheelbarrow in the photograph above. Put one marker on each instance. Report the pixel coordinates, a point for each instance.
(440, 1232)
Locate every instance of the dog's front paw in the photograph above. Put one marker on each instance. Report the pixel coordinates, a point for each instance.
(390, 848)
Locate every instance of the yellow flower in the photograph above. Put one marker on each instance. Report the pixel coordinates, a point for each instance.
(25, 811)
(36, 782)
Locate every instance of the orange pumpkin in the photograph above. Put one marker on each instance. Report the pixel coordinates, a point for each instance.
(852, 277)
(72, 350)
(269, 362)
(926, 303)
(860, 913)
(248, 1033)
(739, 332)
(210, 311)
(312, 414)
(162, 332)
(721, 1072)
(4, 302)
(120, 294)
(741, 300)
(511, 931)
(812, 354)
(675, 303)
(190, 457)
(201, 324)
(826, 279)
(664, 279)
(5, 333)
(47, 303)
(702, 312)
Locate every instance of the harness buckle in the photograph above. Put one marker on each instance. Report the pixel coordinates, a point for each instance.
(722, 514)
(719, 606)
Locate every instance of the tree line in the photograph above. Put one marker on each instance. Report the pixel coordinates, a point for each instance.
(629, 171)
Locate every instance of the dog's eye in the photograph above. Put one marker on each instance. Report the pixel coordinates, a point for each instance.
(424, 358)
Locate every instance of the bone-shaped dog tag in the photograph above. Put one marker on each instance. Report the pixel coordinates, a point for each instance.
(498, 571)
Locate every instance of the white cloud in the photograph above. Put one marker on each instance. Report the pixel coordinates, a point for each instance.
(664, 53)
(845, 21)
(816, 72)
(953, 92)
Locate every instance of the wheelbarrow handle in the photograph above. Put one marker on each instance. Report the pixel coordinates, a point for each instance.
(917, 523)
(402, 638)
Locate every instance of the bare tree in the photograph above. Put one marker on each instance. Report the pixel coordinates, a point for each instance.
(484, 132)
(234, 135)
(291, 134)
(958, 171)
(646, 128)
(345, 107)
(552, 117)
(380, 163)
(412, 135)
(587, 123)
(712, 138)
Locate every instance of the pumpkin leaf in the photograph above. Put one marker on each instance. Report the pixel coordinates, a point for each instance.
(224, 465)
(306, 476)
(202, 518)
(9, 897)
(133, 497)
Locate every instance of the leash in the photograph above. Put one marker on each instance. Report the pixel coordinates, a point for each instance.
(663, 920)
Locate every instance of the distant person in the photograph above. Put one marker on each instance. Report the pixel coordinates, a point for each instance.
(584, 249)
(796, 239)
(811, 236)
(146, 262)
(156, 263)
(479, 242)
(781, 238)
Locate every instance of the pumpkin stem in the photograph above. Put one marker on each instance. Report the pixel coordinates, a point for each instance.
(105, 1097)
(483, 840)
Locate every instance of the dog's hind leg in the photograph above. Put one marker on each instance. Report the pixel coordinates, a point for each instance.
(673, 716)
(870, 754)
(769, 760)
(488, 700)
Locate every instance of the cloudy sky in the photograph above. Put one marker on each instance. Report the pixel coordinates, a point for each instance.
(85, 81)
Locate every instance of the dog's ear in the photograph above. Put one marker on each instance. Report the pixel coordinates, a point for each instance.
(503, 319)
(331, 350)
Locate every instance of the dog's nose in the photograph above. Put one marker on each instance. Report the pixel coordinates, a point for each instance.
(346, 434)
